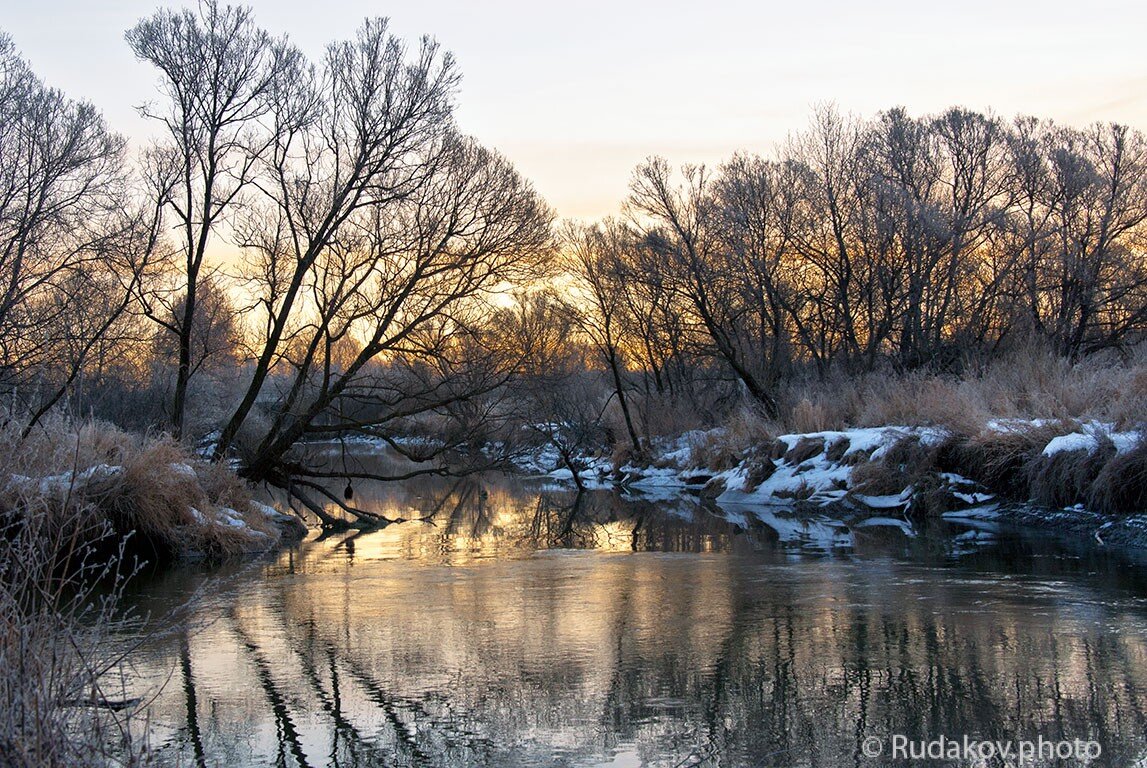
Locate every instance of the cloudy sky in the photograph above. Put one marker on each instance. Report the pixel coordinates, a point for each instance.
(576, 94)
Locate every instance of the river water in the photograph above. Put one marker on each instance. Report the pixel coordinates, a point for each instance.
(519, 628)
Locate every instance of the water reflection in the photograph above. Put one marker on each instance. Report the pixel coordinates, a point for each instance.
(521, 628)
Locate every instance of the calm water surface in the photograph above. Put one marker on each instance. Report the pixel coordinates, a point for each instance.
(520, 629)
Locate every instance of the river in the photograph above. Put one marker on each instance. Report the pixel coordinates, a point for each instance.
(518, 628)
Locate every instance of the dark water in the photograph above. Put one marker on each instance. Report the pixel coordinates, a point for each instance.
(518, 629)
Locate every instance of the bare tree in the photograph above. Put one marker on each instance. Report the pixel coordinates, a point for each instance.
(757, 208)
(920, 241)
(595, 258)
(1093, 279)
(838, 298)
(681, 224)
(557, 390)
(219, 75)
(376, 238)
(75, 247)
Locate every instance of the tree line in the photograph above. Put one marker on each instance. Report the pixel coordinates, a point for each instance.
(893, 243)
(313, 249)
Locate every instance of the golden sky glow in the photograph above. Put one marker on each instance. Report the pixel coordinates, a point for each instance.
(577, 94)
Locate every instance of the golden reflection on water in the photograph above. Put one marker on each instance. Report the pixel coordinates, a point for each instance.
(483, 639)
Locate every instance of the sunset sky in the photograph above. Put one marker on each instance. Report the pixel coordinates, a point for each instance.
(577, 94)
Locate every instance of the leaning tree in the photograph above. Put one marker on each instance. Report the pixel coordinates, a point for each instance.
(373, 237)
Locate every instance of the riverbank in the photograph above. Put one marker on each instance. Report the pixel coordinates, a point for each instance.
(100, 486)
(1071, 476)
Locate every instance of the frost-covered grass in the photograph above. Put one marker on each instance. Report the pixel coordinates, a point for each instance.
(60, 630)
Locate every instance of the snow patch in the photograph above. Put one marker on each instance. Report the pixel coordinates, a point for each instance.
(1088, 440)
(269, 512)
(1076, 441)
(230, 517)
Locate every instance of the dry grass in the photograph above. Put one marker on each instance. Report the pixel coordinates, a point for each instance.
(759, 467)
(1012, 463)
(1000, 419)
(883, 400)
(173, 505)
(1031, 383)
(664, 416)
(1121, 485)
(802, 492)
(712, 451)
(999, 459)
(747, 427)
(1066, 478)
(875, 478)
(81, 508)
(906, 463)
(1046, 395)
(723, 448)
(624, 454)
(836, 449)
(814, 412)
(59, 640)
(804, 449)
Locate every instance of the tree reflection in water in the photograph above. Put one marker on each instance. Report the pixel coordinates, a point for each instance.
(530, 628)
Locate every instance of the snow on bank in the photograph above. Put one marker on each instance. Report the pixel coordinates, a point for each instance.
(813, 467)
(168, 513)
(820, 468)
(1089, 440)
(59, 485)
(817, 468)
